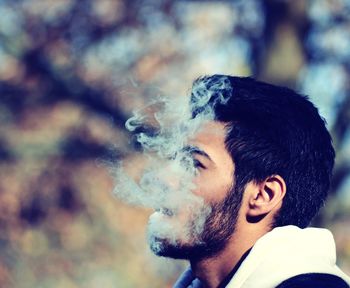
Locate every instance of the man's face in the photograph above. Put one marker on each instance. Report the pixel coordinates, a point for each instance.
(214, 185)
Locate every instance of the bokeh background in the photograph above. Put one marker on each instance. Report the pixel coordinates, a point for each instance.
(72, 71)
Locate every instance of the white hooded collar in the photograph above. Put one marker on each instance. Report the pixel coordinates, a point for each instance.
(281, 254)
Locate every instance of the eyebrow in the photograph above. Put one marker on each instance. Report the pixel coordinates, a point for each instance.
(196, 150)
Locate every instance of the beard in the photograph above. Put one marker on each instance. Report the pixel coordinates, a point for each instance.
(218, 227)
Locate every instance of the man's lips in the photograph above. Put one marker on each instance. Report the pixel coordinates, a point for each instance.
(165, 211)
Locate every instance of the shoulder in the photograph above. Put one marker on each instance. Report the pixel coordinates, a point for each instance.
(311, 280)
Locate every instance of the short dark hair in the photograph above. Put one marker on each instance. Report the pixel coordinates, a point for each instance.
(273, 130)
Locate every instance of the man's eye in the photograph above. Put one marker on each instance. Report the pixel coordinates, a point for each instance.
(198, 164)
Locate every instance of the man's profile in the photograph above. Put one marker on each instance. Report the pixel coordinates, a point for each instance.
(262, 164)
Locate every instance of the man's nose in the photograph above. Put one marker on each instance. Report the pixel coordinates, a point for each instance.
(169, 175)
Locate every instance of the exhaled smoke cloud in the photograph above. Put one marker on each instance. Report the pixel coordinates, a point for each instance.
(165, 183)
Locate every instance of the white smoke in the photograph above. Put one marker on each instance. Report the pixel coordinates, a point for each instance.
(165, 183)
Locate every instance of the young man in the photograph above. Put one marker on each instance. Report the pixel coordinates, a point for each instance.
(264, 164)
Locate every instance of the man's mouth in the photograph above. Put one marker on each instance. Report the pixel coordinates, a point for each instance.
(165, 211)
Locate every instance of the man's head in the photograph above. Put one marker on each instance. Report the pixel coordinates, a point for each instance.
(266, 147)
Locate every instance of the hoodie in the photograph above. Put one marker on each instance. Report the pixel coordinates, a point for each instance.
(279, 255)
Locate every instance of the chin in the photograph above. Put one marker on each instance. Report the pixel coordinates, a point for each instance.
(188, 236)
(185, 248)
(168, 237)
(164, 248)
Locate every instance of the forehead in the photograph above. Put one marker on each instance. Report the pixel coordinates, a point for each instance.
(210, 131)
(211, 138)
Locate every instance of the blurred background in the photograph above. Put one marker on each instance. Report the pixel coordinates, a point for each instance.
(72, 71)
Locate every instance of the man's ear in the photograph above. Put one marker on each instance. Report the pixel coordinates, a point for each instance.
(267, 196)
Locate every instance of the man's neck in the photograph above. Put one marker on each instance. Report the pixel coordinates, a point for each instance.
(212, 271)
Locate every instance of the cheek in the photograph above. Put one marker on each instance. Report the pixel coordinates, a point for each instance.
(213, 188)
